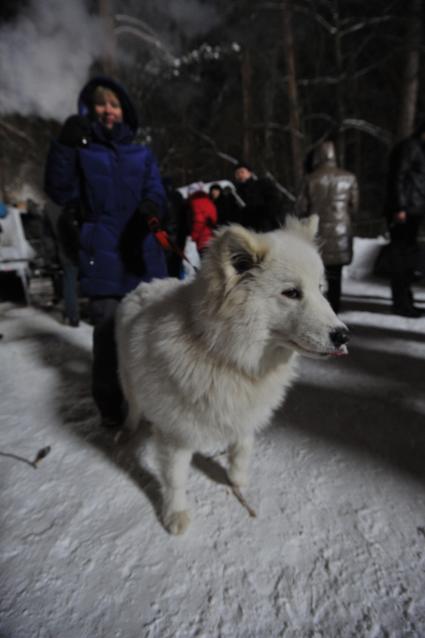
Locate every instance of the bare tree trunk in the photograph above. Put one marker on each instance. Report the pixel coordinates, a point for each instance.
(2, 173)
(246, 72)
(294, 106)
(108, 60)
(269, 101)
(340, 87)
(410, 83)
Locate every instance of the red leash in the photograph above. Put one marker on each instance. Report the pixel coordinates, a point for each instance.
(165, 242)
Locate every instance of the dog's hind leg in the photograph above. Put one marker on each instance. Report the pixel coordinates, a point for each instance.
(174, 464)
(239, 455)
(133, 417)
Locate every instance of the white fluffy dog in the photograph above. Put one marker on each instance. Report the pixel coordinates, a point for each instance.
(207, 361)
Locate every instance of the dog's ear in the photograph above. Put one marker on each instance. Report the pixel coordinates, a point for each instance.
(242, 249)
(307, 226)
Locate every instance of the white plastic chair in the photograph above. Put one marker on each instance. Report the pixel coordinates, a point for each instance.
(15, 251)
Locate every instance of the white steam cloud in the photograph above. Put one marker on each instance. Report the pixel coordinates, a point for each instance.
(47, 52)
(45, 57)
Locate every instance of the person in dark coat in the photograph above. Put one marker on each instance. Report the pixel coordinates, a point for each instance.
(405, 210)
(332, 193)
(177, 224)
(263, 206)
(95, 166)
(228, 211)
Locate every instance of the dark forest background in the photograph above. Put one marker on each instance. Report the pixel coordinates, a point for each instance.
(267, 81)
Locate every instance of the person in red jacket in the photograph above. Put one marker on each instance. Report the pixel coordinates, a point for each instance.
(203, 215)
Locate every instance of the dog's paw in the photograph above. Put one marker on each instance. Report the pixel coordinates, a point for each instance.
(177, 522)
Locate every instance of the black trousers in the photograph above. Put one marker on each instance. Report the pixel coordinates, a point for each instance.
(333, 277)
(403, 245)
(106, 389)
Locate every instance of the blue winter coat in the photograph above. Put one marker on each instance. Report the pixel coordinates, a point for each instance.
(111, 177)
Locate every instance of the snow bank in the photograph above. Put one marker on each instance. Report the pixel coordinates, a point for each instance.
(365, 253)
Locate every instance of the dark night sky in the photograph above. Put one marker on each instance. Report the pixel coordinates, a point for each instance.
(10, 8)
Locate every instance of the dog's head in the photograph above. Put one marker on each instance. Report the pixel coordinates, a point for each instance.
(266, 289)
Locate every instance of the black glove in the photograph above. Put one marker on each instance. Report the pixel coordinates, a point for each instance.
(148, 212)
(153, 223)
(75, 132)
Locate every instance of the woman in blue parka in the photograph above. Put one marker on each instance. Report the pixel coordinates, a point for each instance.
(111, 187)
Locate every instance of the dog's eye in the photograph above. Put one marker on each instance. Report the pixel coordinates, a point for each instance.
(292, 293)
(242, 262)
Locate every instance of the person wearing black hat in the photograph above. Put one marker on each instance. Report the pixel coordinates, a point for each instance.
(405, 211)
(227, 207)
(263, 206)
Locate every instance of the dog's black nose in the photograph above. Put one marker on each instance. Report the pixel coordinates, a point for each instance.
(339, 337)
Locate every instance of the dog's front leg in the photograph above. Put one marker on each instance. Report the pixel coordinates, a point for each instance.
(174, 469)
(239, 455)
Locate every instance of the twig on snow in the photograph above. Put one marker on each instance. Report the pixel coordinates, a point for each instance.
(41, 454)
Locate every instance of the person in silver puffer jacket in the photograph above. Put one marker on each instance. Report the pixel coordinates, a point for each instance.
(333, 194)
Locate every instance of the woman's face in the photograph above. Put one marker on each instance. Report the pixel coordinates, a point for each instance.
(108, 109)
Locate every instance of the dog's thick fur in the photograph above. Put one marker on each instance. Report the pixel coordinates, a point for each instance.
(209, 360)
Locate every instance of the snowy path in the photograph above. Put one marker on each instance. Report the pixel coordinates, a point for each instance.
(338, 483)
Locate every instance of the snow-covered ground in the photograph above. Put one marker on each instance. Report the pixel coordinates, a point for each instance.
(338, 483)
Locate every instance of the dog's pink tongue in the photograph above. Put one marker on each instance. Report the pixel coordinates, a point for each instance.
(341, 352)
